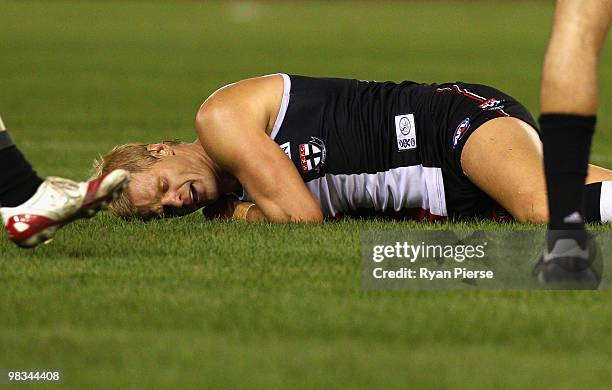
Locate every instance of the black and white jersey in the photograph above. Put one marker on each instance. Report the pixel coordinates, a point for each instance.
(356, 145)
(385, 148)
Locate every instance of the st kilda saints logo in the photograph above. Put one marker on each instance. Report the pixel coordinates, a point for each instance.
(312, 155)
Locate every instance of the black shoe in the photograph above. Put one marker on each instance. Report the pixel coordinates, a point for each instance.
(568, 265)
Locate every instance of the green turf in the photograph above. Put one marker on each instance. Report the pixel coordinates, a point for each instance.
(190, 303)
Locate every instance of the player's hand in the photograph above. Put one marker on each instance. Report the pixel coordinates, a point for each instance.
(222, 208)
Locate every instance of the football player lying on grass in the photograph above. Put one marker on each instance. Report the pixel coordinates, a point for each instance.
(302, 149)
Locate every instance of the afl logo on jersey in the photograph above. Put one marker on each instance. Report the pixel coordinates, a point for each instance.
(312, 155)
(460, 130)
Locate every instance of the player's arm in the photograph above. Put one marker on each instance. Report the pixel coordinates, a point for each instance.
(230, 207)
(231, 127)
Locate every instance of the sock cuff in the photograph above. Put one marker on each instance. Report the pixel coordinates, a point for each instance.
(554, 123)
(605, 203)
(5, 140)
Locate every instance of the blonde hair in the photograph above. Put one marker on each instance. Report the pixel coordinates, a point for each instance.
(134, 158)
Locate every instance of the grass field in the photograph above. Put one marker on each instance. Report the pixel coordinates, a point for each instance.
(190, 303)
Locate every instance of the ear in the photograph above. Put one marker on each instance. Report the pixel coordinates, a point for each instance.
(160, 150)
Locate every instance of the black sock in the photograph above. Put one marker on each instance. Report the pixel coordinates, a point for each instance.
(592, 202)
(592, 207)
(567, 144)
(18, 181)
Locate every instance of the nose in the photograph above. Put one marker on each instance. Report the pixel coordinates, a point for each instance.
(173, 199)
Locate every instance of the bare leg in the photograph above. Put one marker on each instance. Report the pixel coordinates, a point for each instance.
(569, 76)
(503, 157)
(569, 106)
(598, 174)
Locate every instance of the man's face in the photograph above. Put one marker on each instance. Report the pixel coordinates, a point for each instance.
(179, 183)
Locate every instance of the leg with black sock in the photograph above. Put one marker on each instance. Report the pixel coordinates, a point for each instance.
(18, 181)
(32, 210)
(571, 259)
(568, 259)
(569, 106)
(567, 143)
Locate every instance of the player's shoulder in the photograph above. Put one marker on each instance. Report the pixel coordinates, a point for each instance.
(240, 107)
(249, 89)
(252, 96)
